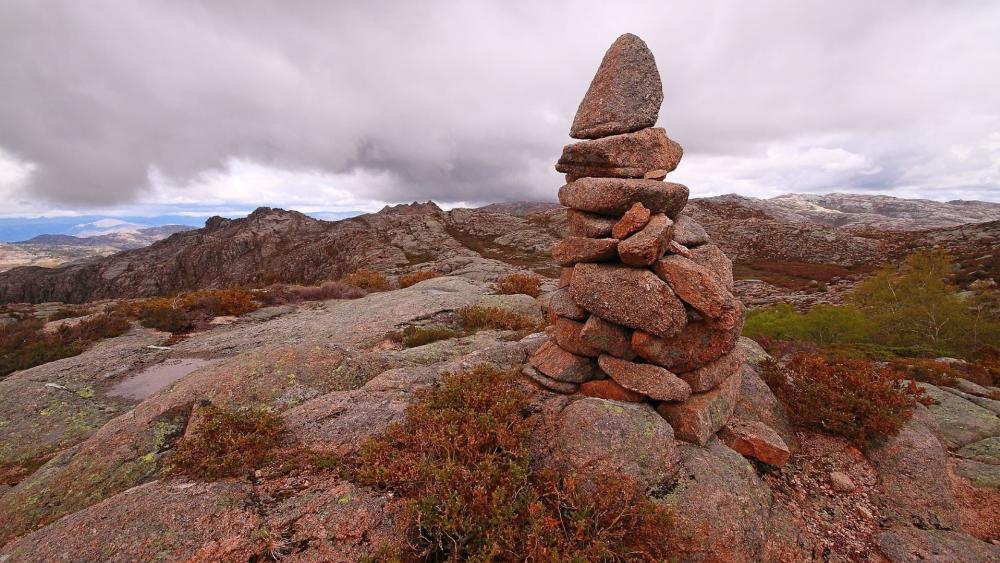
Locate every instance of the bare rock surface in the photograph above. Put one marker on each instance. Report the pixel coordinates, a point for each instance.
(561, 365)
(625, 296)
(571, 250)
(756, 440)
(703, 414)
(694, 347)
(701, 288)
(715, 372)
(628, 155)
(590, 225)
(632, 222)
(608, 389)
(648, 245)
(652, 381)
(568, 335)
(612, 196)
(608, 337)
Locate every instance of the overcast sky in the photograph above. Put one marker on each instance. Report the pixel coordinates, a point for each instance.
(141, 106)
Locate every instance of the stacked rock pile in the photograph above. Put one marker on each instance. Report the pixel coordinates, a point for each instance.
(644, 309)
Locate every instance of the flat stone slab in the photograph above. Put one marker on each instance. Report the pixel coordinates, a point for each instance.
(699, 287)
(715, 372)
(756, 440)
(547, 382)
(572, 250)
(614, 196)
(560, 365)
(696, 345)
(713, 258)
(631, 297)
(961, 422)
(652, 381)
(628, 155)
(688, 232)
(590, 225)
(984, 451)
(568, 338)
(648, 245)
(608, 337)
(561, 304)
(608, 389)
(703, 414)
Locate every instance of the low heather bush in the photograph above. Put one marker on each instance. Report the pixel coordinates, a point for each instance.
(183, 312)
(406, 280)
(459, 464)
(413, 336)
(477, 317)
(227, 442)
(852, 397)
(528, 284)
(369, 280)
(23, 344)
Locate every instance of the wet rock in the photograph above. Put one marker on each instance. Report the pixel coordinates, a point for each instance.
(632, 222)
(628, 155)
(608, 389)
(612, 196)
(703, 414)
(589, 225)
(699, 287)
(608, 337)
(626, 296)
(688, 232)
(572, 250)
(561, 304)
(625, 94)
(715, 372)
(558, 364)
(652, 381)
(712, 257)
(696, 345)
(649, 244)
(756, 440)
(567, 335)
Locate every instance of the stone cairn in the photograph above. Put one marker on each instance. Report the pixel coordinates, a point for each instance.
(644, 311)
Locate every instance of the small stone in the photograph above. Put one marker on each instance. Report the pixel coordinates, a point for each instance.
(698, 344)
(698, 287)
(841, 482)
(565, 276)
(625, 94)
(608, 389)
(613, 196)
(655, 175)
(571, 250)
(590, 225)
(632, 222)
(756, 440)
(558, 364)
(703, 414)
(567, 336)
(547, 382)
(649, 244)
(608, 337)
(652, 381)
(629, 155)
(679, 249)
(688, 232)
(631, 297)
(713, 258)
(561, 304)
(715, 372)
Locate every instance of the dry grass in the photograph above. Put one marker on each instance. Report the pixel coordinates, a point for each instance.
(183, 312)
(476, 317)
(406, 280)
(369, 280)
(280, 294)
(413, 336)
(528, 284)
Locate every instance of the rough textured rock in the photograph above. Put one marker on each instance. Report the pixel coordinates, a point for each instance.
(608, 337)
(616, 439)
(589, 225)
(626, 296)
(558, 364)
(698, 344)
(571, 250)
(632, 222)
(608, 389)
(908, 544)
(547, 382)
(985, 451)
(758, 404)
(625, 94)
(628, 155)
(652, 381)
(721, 506)
(655, 175)
(715, 260)
(699, 287)
(565, 277)
(649, 244)
(756, 440)
(561, 304)
(612, 196)
(961, 422)
(841, 482)
(568, 337)
(715, 372)
(688, 232)
(981, 475)
(702, 415)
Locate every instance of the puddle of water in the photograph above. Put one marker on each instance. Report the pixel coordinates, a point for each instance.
(156, 377)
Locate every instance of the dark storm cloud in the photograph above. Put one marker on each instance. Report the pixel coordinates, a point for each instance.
(471, 101)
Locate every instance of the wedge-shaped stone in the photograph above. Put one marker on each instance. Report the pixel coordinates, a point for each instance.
(715, 372)
(698, 344)
(625, 94)
(631, 297)
(608, 389)
(632, 222)
(568, 338)
(756, 440)
(703, 414)
(652, 381)
(688, 232)
(649, 244)
(558, 364)
(713, 258)
(697, 286)
(590, 225)
(608, 337)
(613, 196)
(561, 304)
(629, 155)
(565, 276)
(572, 250)
(547, 382)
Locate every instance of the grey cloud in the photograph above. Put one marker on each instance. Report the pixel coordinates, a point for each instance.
(470, 101)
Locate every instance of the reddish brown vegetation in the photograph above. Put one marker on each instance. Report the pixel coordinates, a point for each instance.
(369, 280)
(183, 312)
(23, 344)
(528, 284)
(227, 442)
(406, 280)
(280, 294)
(793, 275)
(478, 317)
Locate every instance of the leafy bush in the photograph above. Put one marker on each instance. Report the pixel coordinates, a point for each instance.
(477, 317)
(928, 371)
(854, 398)
(160, 313)
(528, 284)
(227, 442)
(460, 465)
(183, 312)
(369, 280)
(23, 344)
(413, 336)
(406, 280)
(218, 302)
(822, 324)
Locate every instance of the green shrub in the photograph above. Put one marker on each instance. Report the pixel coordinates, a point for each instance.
(227, 442)
(459, 464)
(822, 324)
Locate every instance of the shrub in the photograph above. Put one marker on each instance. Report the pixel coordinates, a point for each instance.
(160, 313)
(413, 336)
(822, 324)
(528, 284)
(65, 313)
(328, 290)
(477, 317)
(218, 302)
(460, 465)
(24, 344)
(183, 312)
(406, 280)
(854, 398)
(227, 442)
(927, 371)
(366, 279)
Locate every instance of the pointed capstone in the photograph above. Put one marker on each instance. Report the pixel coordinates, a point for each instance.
(624, 96)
